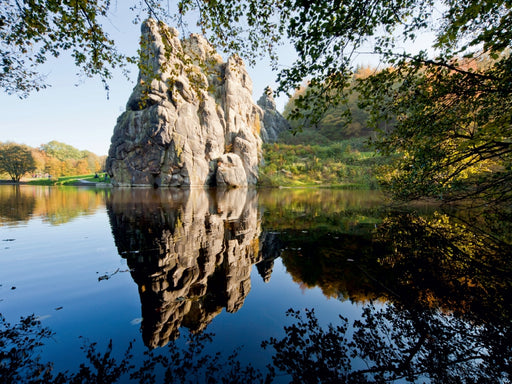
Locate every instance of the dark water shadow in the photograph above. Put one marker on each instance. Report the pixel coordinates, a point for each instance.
(434, 291)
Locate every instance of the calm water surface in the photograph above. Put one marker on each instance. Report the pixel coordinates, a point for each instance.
(166, 279)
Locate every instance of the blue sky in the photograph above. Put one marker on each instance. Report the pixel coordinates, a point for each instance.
(76, 111)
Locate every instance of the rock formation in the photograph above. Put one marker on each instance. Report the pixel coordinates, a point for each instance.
(273, 122)
(189, 115)
(190, 251)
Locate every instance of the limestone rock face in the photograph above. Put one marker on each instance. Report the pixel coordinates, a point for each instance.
(273, 122)
(188, 109)
(230, 171)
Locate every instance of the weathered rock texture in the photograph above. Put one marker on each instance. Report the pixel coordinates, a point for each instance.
(189, 115)
(273, 122)
(190, 251)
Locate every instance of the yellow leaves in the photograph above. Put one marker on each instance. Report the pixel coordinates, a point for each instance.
(364, 72)
(256, 127)
(228, 148)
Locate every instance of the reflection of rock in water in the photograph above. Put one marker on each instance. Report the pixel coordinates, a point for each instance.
(271, 248)
(190, 251)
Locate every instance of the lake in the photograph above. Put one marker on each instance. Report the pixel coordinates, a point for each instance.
(284, 285)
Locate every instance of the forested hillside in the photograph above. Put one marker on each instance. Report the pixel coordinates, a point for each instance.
(340, 121)
(53, 159)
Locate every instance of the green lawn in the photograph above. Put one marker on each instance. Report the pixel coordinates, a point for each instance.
(67, 180)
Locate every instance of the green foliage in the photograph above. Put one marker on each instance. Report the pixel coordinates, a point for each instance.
(62, 151)
(32, 31)
(339, 121)
(340, 164)
(453, 135)
(16, 160)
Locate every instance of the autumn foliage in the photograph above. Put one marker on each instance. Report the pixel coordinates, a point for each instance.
(54, 158)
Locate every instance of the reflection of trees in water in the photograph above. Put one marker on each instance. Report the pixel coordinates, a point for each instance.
(15, 206)
(190, 252)
(20, 362)
(304, 209)
(444, 262)
(439, 260)
(61, 205)
(54, 204)
(434, 291)
(393, 343)
(446, 286)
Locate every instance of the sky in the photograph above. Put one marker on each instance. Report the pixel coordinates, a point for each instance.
(77, 111)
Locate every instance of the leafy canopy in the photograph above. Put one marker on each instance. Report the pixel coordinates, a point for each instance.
(31, 31)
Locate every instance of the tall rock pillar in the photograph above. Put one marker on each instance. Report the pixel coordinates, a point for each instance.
(190, 120)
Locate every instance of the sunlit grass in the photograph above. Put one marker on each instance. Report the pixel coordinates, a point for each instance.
(345, 164)
(68, 180)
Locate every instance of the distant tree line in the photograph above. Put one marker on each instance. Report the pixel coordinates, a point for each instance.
(53, 159)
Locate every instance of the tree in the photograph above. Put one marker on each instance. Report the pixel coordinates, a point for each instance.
(61, 151)
(40, 159)
(31, 31)
(82, 167)
(339, 121)
(54, 167)
(16, 160)
(453, 111)
(64, 160)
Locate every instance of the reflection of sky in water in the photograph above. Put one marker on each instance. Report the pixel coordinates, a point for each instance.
(58, 272)
(70, 274)
(55, 271)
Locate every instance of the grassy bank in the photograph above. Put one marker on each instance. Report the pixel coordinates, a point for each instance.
(344, 164)
(68, 180)
(347, 164)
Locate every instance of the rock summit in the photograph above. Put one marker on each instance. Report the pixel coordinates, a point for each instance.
(191, 119)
